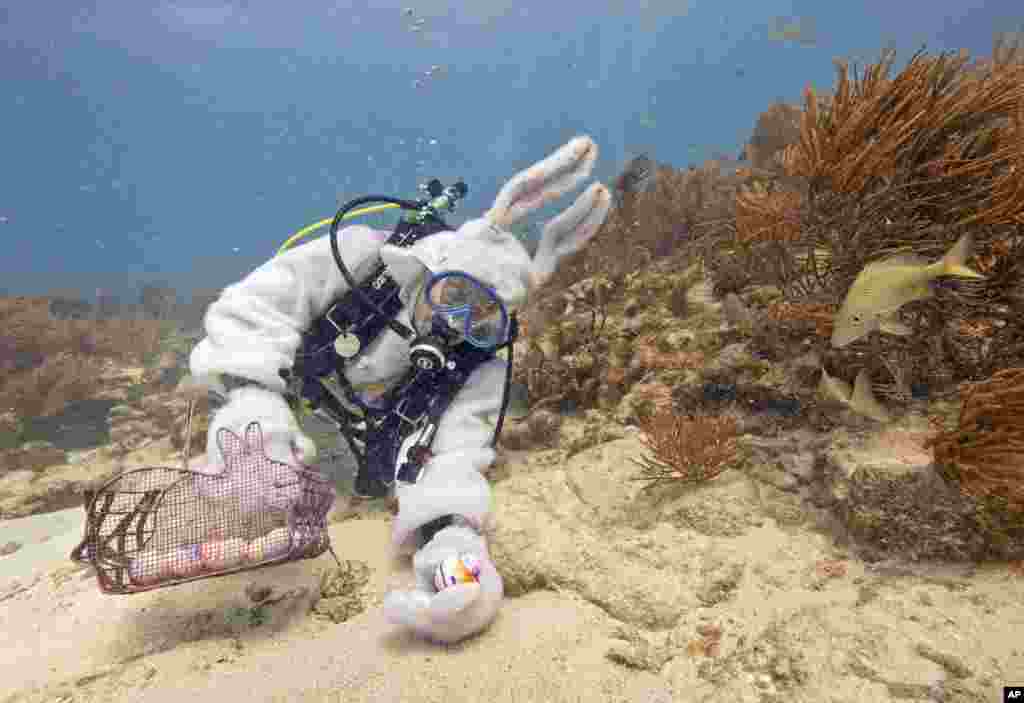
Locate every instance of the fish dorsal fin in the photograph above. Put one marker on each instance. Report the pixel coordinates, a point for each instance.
(834, 389)
(863, 400)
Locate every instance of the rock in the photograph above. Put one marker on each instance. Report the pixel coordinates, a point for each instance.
(610, 394)
(133, 434)
(596, 429)
(639, 652)
(801, 466)
(633, 326)
(808, 360)
(784, 506)
(62, 486)
(16, 481)
(643, 400)
(726, 507)
(680, 340)
(10, 433)
(736, 313)
(32, 456)
(581, 361)
(9, 548)
(953, 665)
(700, 295)
(735, 356)
(631, 308)
(271, 607)
(775, 475)
(167, 360)
(258, 593)
(341, 591)
(79, 425)
(794, 453)
(539, 430)
(169, 377)
(553, 528)
(719, 580)
(81, 457)
(885, 491)
(587, 289)
(763, 295)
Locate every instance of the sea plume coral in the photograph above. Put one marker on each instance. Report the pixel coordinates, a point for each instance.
(768, 216)
(690, 449)
(941, 127)
(984, 453)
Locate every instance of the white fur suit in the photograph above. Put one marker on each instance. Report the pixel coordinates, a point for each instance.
(254, 330)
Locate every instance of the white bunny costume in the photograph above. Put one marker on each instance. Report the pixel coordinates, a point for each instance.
(254, 330)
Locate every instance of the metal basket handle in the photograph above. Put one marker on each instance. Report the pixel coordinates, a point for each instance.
(186, 449)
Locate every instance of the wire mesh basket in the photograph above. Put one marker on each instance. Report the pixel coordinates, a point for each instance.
(156, 527)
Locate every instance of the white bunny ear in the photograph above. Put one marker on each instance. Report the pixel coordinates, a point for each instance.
(543, 182)
(568, 232)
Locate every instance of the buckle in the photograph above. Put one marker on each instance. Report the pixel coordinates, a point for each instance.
(334, 323)
(416, 423)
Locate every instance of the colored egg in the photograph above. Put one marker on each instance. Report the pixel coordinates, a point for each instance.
(233, 552)
(211, 553)
(149, 568)
(217, 555)
(455, 570)
(254, 550)
(276, 543)
(187, 562)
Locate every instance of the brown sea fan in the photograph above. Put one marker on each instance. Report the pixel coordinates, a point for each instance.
(687, 449)
(984, 454)
(816, 316)
(773, 217)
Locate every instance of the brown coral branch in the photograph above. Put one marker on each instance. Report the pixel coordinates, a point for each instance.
(985, 452)
(818, 315)
(768, 216)
(876, 127)
(687, 449)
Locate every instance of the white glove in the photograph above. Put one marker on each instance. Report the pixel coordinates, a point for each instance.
(233, 462)
(458, 611)
(283, 440)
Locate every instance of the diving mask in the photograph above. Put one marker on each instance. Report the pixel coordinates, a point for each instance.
(467, 307)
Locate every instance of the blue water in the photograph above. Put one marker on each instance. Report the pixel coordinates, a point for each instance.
(180, 142)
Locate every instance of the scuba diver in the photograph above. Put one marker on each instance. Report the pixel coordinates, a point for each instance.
(394, 338)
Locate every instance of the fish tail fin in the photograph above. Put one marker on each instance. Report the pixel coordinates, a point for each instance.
(863, 400)
(954, 263)
(834, 389)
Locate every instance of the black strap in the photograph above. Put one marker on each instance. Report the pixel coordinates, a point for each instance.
(431, 528)
(232, 382)
(513, 333)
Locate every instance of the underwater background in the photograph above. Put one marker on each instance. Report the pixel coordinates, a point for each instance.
(764, 438)
(181, 142)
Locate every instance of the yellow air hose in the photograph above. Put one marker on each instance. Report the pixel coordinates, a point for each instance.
(288, 243)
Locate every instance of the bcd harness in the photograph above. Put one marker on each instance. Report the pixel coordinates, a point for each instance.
(390, 436)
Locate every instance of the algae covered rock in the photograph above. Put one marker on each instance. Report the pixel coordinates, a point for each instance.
(539, 430)
(31, 456)
(885, 491)
(341, 591)
(595, 429)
